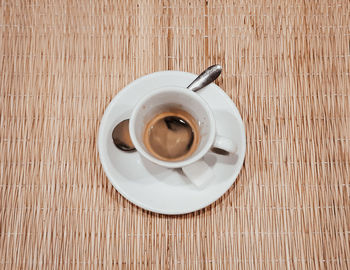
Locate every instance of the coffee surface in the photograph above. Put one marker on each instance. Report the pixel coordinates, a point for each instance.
(172, 135)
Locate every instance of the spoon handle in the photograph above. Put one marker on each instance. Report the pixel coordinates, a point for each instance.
(207, 76)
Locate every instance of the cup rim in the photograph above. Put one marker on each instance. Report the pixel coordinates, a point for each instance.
(173, 164)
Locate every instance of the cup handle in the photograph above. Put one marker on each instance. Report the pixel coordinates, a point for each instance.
(199, 173)
(225, 144)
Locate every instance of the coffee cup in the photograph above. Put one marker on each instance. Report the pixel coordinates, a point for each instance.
(174, 127)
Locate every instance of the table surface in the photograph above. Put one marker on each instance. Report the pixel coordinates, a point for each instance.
(286, 66)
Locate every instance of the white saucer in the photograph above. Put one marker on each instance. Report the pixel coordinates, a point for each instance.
(158, 189)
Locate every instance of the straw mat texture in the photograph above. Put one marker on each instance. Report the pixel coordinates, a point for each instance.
(286, 66)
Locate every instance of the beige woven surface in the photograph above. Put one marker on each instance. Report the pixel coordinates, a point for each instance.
(286, 66)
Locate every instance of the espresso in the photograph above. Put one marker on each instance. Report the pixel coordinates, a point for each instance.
(172, 135)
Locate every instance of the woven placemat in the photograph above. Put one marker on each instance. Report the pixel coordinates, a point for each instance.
(286, 66)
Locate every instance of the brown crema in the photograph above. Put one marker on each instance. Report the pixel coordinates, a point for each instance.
(172, 135)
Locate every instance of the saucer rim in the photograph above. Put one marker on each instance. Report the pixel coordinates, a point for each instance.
(136, 201)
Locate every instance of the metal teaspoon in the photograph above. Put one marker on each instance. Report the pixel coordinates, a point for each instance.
(120, 134)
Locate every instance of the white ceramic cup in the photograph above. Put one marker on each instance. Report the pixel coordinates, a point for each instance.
(157, 101)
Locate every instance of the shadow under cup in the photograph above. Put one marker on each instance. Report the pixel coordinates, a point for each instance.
(161, 100)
